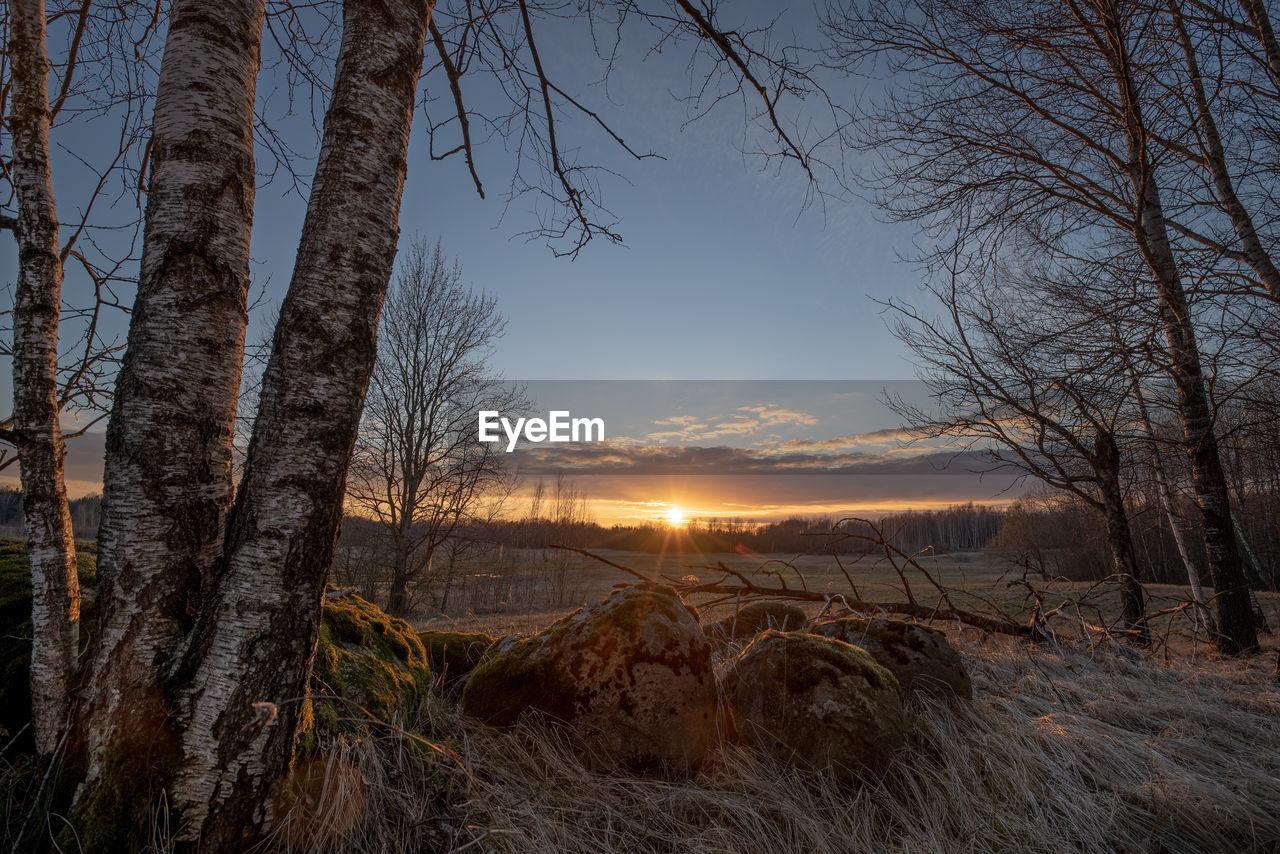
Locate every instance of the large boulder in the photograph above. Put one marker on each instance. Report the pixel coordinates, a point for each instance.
(919, 656)
(631, 675)
(758, 616)
(453, 655)
(366, 659)
(814, 701)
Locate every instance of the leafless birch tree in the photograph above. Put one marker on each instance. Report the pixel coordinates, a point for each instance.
(36, 426)
(1030, 389)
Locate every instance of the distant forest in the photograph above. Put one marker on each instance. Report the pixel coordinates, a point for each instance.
(1051, 535)
(86, 512)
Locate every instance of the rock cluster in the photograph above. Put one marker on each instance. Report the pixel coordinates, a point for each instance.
(632, 676)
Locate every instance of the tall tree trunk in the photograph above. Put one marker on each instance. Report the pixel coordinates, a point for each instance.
(1120, 538)
(55, 611)
(167, 482)
(1236, 630)
(1166, 502)
(250, 657)
(448, 581)
(398, 597)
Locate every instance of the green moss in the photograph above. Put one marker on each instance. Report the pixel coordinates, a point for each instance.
(453, 655)
(368, 659)
(119, 813)
(506, 684)
(812, 659)
(757, 617)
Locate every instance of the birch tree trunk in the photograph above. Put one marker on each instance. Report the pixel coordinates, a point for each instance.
(257, 631)
(1166, 501)
(1236, 630)
(55, 612)
(167, 482)
(1256, 11)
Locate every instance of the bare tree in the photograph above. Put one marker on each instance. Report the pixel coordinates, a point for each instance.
(419, 468)
(1023, 386)
(1052, 123)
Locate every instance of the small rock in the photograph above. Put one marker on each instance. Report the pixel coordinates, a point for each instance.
(453, 655)
(919, 656)
(368, 658)
(632, 675)
(815, 701)
(758, 616)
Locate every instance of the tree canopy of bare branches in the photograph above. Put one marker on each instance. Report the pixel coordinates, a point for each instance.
(418, 467)
(1067, 127)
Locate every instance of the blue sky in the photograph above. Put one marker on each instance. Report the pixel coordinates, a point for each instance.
(726, 271)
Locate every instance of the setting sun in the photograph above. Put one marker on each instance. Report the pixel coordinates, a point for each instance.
(675, 517)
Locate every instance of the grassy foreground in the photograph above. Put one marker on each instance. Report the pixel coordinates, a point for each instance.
(1062, 750)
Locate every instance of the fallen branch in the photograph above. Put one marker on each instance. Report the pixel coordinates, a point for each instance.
(745, 588)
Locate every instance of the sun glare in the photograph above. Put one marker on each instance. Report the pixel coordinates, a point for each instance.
(675, 517)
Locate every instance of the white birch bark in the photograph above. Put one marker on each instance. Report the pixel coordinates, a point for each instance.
(257, 632)
(55, 612)
(1166, 502)
(167, 481)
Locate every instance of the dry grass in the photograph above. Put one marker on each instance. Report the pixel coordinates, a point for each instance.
(1062, 750)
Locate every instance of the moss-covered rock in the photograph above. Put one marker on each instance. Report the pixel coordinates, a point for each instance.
(453, 655)
(818, 702)
(919, 656)
(631, 675)
(15, 626)
(753, 619)
(368, 658)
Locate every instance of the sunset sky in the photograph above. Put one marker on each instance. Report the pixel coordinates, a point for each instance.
(730, 270)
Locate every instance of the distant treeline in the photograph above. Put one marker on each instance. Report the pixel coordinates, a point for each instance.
(86, 512)
(960, 527)
(1057, 535)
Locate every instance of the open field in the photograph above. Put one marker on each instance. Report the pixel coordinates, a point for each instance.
(530, 588)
